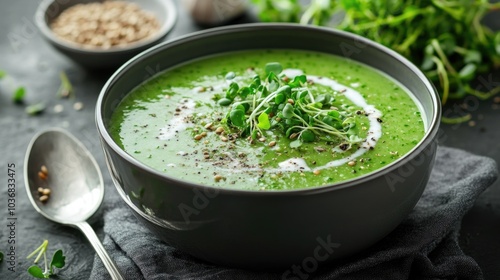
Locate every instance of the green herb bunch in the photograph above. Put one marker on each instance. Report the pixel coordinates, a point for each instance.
(289, 107)
(446, 38)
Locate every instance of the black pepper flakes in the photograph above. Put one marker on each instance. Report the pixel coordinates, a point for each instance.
(344, 146)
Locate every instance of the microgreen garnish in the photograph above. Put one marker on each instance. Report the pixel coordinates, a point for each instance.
(65, 89)
(18, 95)
(57, 261)
(288, 106)
(35, 109)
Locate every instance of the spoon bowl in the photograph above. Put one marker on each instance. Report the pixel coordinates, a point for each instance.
(75, 183)
(74, 178)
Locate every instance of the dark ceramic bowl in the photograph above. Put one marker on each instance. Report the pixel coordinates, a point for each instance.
(270, 229)
(164, 10)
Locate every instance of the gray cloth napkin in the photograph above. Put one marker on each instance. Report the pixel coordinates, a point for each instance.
(423, 246)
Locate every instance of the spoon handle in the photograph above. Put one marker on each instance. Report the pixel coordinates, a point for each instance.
(94, 241)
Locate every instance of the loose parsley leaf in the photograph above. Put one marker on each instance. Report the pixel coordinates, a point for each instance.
(19, 92)
(18, 95)
(35, 109)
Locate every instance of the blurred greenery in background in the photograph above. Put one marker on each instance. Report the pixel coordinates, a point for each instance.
(446, 38)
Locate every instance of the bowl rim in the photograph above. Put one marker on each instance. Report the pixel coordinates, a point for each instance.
(166, 26)
(427, 139)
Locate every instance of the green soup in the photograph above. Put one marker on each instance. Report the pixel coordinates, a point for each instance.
(238, 121)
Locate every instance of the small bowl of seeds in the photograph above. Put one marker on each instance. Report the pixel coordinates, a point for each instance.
(104, 33)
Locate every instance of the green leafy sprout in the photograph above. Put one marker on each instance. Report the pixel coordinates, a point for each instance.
(35, 109)
(58, 261)
(18, 96)
(446, 38)
(288, 106)
(19, 92)
(66, 88)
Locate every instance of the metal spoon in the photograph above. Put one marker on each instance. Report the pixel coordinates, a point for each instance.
(75, 183)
